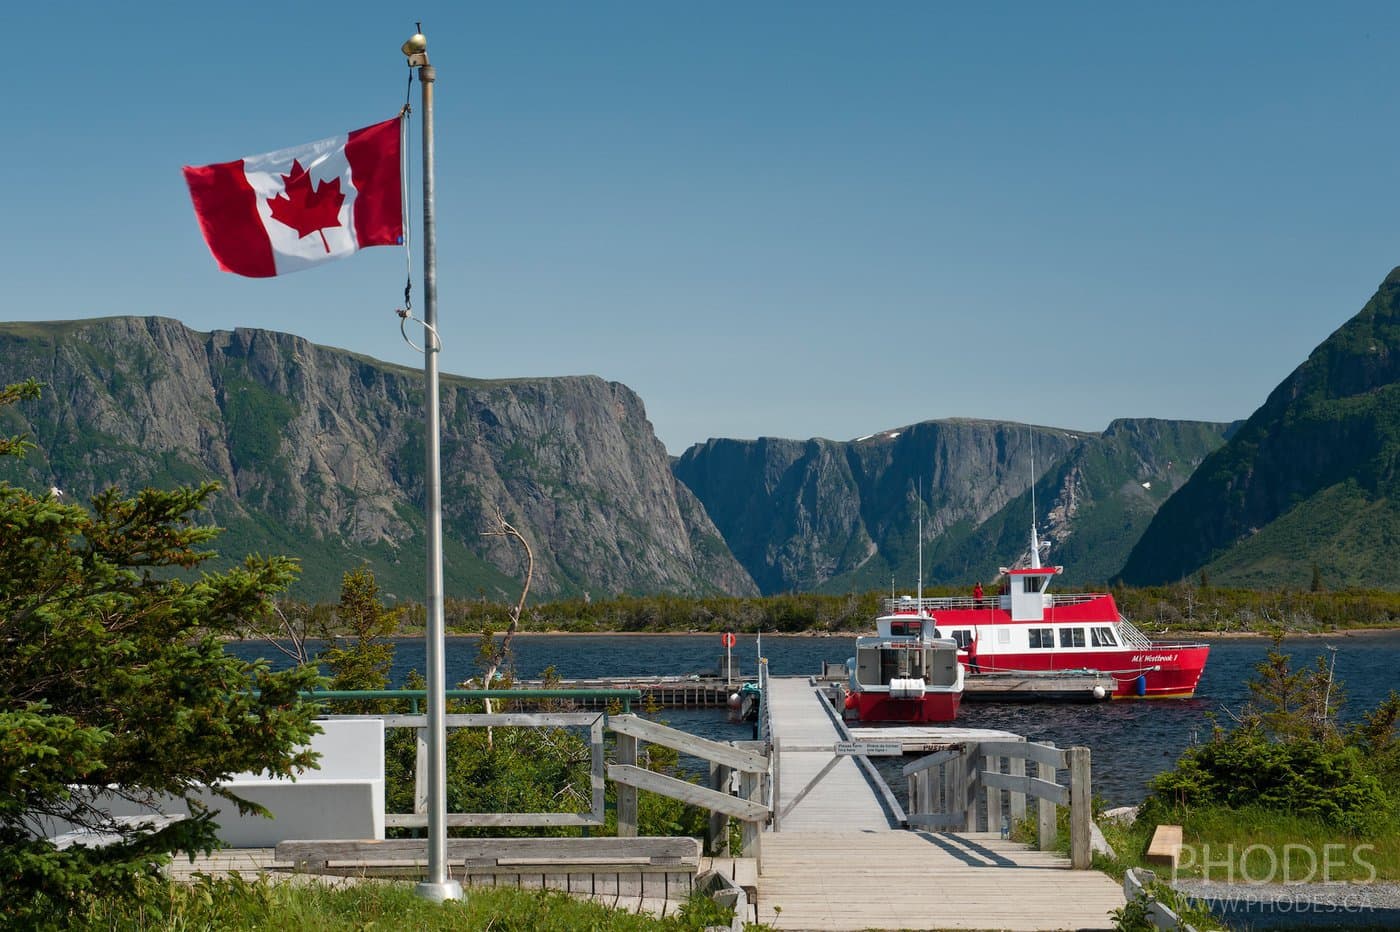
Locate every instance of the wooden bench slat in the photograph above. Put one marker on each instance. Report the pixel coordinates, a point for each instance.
(1165, 846)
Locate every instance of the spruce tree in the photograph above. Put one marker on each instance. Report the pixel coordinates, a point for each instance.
(114, 680)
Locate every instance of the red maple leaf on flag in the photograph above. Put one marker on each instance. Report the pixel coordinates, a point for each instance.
(305, 210)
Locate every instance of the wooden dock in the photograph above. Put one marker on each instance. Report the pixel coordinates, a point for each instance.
(925, 739)
(667, 692)
(846, 797)
(849, 880)
(837, 857)
(1065, 686)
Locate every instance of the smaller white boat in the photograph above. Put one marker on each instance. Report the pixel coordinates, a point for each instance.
(905, 672)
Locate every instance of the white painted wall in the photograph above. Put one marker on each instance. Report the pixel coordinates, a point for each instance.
(343, 798)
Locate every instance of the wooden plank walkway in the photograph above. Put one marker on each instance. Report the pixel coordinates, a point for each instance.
(844, 799)
(919, 880)
(838, 863)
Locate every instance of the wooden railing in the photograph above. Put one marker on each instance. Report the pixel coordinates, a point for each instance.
(945, 786)
(743, 763)
(752, 767)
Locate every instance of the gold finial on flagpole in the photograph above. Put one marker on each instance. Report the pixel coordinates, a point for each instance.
(416, 48)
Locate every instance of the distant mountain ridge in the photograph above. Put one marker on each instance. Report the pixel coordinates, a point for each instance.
(1309, 487)
(842, 515)
(320, 452)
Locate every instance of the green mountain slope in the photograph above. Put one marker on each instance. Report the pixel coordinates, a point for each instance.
(1094, 504)
(1309, 480)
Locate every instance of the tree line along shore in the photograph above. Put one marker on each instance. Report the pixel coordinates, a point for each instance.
(1184, 608)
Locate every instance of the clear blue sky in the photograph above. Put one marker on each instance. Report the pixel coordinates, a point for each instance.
(793, 220)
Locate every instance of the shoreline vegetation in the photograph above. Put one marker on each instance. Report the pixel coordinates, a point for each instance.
(1182, 610)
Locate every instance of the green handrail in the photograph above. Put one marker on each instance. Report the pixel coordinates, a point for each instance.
(415, 695)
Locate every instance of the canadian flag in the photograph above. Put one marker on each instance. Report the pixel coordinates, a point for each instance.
(288, 210)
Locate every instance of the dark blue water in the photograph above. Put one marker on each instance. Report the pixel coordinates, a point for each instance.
(1130, 740)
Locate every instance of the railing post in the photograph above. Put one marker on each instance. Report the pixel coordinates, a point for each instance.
(626, 795)
(1080, 809)
(993, 764)
(751, 788)
(1016, 766)
(719, 822)
(1046, 807)
(967, 801)
(777, 784)
(420, 774)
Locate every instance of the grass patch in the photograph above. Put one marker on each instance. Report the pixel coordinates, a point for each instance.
(1260, 845)
(238, 904)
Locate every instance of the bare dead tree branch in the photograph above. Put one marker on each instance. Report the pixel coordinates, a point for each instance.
(286, 634)
(503, 528)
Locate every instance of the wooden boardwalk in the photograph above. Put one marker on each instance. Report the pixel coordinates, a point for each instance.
(919, 880)
(845, 799)
(840, 861)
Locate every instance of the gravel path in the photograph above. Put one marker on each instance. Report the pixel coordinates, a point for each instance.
(1316, 905)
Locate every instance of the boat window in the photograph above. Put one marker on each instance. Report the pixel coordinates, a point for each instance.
(1032, 584)
(1103, 637)
(1003, 636)
(1042, 637)
(963, 636)
(1071, 637)
(903, 628)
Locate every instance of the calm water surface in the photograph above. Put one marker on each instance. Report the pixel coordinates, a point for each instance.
(1130, 740)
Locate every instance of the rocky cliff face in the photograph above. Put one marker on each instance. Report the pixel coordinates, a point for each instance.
(320, 453)
(830, 515)
(1309, 485)
(822, 514)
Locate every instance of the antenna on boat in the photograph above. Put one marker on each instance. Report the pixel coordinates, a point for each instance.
(920, 596)
(1035, 541)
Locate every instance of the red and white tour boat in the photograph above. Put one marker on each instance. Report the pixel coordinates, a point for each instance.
(1027, 629)
(905, 672)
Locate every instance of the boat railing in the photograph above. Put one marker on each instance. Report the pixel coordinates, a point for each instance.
(910, 605)
(1073, 598)
(1133, 635)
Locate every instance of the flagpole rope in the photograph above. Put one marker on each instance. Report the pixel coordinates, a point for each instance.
(406, 179)
(406, 176)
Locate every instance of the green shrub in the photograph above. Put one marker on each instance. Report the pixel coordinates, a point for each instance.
(1327, 780)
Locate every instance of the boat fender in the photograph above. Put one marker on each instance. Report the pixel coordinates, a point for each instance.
(1100, 692)
(1140, 687)
(850, 700)
(910, 688)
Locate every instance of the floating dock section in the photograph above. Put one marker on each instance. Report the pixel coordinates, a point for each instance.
(1063, 686)
(667, 692)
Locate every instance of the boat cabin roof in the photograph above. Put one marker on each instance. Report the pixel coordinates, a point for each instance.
(911, 624)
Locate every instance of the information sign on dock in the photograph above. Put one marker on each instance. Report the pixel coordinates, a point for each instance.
(870, 748)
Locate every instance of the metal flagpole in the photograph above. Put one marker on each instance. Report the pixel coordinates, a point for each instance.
(438, 885)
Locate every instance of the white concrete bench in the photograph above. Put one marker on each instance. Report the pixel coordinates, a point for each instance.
(344, 797)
